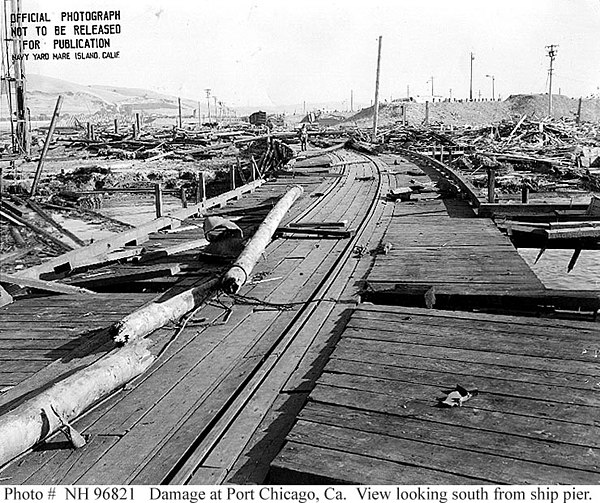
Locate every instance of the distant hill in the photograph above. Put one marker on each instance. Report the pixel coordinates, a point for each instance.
(42, 93)
(93, 99)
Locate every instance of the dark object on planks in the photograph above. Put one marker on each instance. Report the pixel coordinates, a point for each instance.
(456, 397)
(224, 236)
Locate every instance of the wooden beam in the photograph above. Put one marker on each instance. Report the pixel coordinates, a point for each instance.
(471, 297)
(34, 206)
(130, 275)
(40, 231)
(101, 247)
(48, 286)
(494, 210)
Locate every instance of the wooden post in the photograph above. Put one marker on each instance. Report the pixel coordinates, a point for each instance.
(92, 132)
(134, 131)
(524, 193)
(88, 132)
(158, 200)
(116, 126)
(376, 104)
(426, 122)
(179, 103)
(441, 153)
(579, 111)
(201, 188)
(232, 176)
(138, 123)
(183, 198)
(491, 172)
(38, 173)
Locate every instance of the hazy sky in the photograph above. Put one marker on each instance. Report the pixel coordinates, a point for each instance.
(283, 52)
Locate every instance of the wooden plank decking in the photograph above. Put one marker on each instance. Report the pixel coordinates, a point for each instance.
(373, 416)
(195, 413)
(38, 331)
(217, 404)
(534, 421)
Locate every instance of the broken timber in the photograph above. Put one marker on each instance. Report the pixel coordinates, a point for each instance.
(89, 254)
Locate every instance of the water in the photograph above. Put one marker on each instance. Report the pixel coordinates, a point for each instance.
(551, 269)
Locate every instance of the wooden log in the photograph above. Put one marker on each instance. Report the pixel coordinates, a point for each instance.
(239, 273)
(41, 416)
(157, 314)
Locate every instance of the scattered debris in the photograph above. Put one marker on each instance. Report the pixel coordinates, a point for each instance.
(456, 397)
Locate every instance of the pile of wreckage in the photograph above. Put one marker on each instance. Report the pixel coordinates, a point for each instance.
(548, 155)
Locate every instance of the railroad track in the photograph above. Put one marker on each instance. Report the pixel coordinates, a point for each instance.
(197, 415)
(277, 354)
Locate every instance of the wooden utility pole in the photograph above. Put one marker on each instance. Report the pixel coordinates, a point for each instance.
(208, 103)
(22, 129)
(551, 54)
(376, 104)
(471, 80)
(38, 173)
(179, 107)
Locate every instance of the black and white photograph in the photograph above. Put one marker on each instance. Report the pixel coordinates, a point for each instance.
(300, 251)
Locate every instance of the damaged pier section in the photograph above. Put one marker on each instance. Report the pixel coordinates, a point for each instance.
(356, 313)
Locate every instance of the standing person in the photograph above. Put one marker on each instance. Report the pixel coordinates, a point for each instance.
(303, 138)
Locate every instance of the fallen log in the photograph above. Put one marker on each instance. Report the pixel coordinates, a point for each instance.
(239, 273)
(49, 411)
(157, 314)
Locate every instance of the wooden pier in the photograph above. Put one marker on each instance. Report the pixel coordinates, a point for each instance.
(309, 374)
